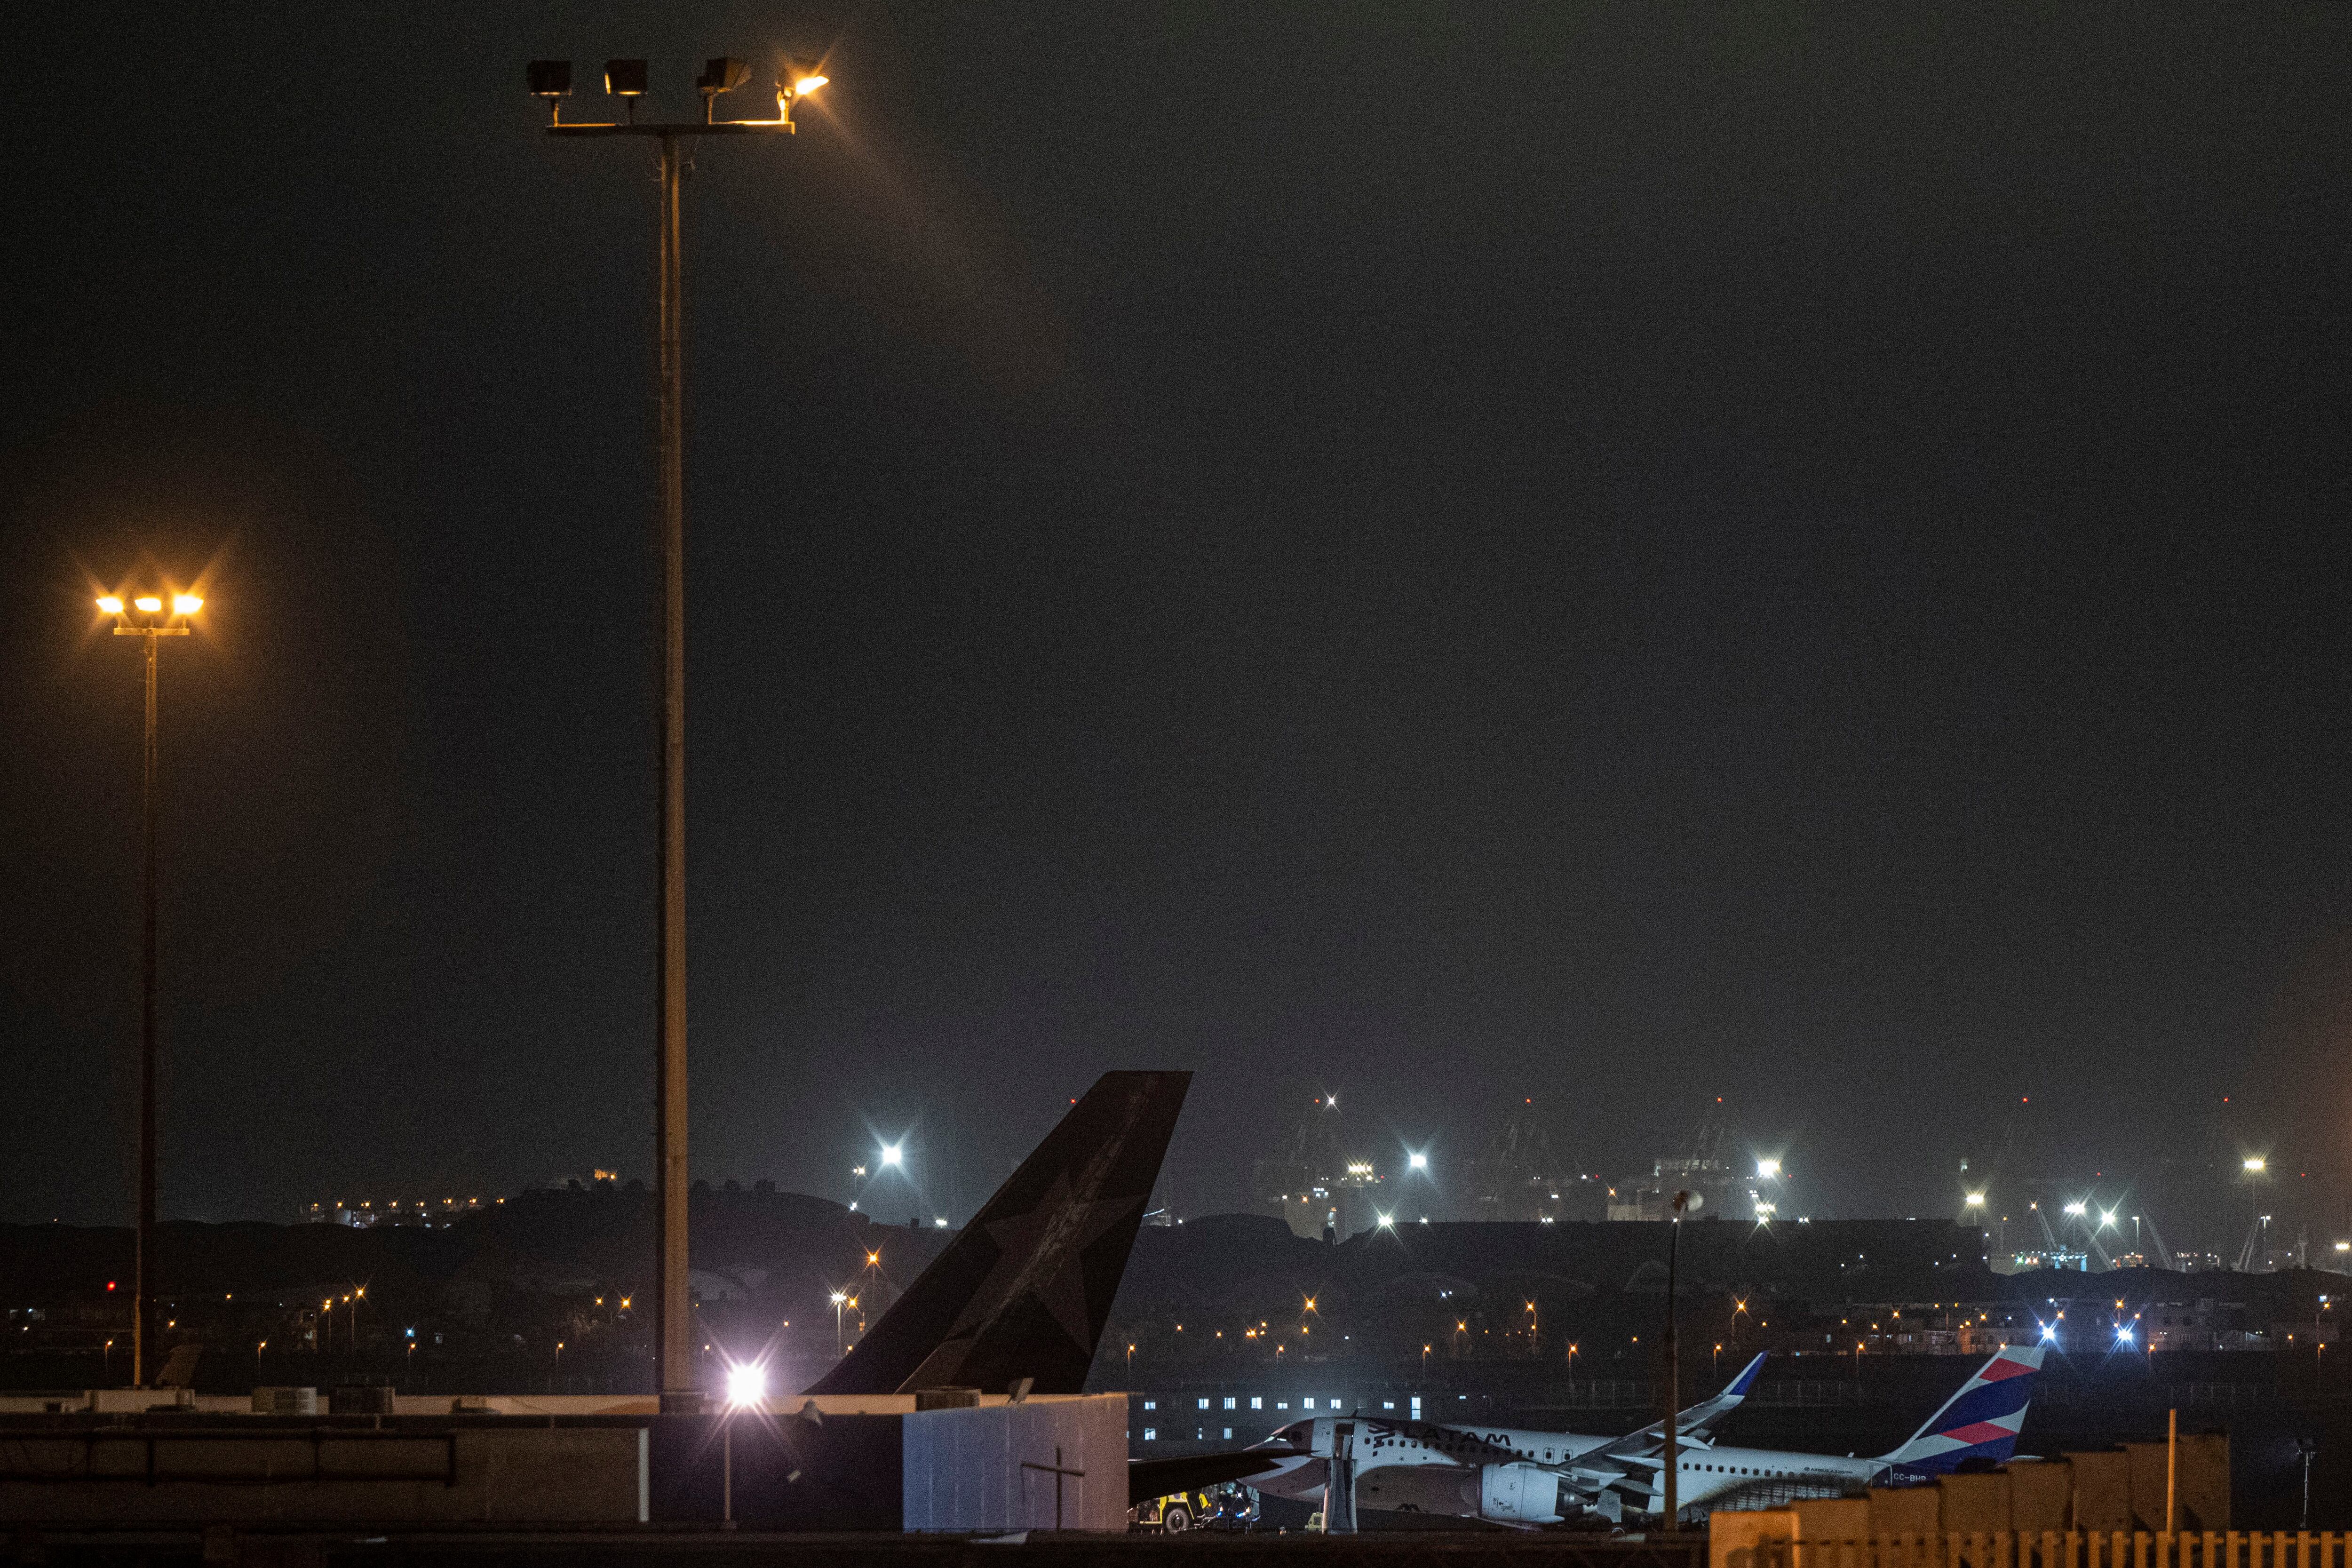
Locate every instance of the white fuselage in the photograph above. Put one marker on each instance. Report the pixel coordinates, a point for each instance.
(1380, 1443)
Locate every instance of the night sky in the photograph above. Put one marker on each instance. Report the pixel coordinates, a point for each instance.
(1617, 553)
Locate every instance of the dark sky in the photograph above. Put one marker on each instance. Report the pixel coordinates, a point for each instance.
(1613, 552)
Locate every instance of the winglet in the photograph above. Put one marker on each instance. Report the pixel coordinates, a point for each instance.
(1739, 1387)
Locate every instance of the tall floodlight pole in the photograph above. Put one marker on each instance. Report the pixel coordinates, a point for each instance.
(145, 616)
(1683, 1202)
(626, 81)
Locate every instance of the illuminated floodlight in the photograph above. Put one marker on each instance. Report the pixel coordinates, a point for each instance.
(1388, 1222)
(747, 1384)
(808, 82)
(1768, 1169)
(2078, 1209)
(2256, 1165)
(940, 1221)
(838, 1297)
(109, 603)
(148, 603)
(186, 604)
(2049, 1331)
(890, 1154)
(2107, 1218)
(2124, 1335)
(1976, 1200)
(1418, 1162)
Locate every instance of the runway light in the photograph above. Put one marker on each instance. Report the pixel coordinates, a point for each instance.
(746, 1384)
(109, 603)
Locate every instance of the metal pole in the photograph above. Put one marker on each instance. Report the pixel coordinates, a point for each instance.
(1673, 1370)
(673, 1329)
(2172, 1461)
(144, 1257)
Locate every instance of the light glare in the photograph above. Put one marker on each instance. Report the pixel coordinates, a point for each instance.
(804, 85)
(110, 605)
(1417, 1162)
(2255, 1162)
(186, 604)
(149, 602)
(746, 1384)
(1767, 1170)
(890, 1154)
(1976, 1200)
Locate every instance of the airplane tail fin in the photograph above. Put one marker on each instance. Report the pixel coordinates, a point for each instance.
(1025, 1290)
(1980, 1421)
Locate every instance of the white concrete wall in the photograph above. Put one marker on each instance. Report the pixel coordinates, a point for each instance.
(965, 1469)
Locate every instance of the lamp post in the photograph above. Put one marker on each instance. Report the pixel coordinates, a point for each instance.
(626, 80)
(145, 616)
(1683, 1203)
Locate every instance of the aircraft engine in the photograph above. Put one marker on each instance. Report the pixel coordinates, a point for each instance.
(1518, 1494)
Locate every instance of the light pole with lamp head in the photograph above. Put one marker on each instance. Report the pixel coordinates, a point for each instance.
(626, 81)
(145, 616)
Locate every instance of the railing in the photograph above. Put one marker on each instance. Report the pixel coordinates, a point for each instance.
(2057, 1549)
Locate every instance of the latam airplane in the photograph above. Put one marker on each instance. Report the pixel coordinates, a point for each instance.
(1522, 1477)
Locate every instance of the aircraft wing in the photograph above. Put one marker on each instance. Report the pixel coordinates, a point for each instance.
(1148, 1478)
(1025, 1289)
(1694, 1426)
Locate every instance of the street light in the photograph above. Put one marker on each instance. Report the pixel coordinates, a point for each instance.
(626, 80)
(146, 618)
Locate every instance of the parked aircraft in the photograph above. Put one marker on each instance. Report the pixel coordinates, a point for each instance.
(1509, 1475)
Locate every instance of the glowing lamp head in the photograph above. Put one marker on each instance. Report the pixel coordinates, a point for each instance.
(1976, 1200)
(1417, 1162)
(746, 1384)
(838, 1297)
(186, 604)
(148, 603)
(2077, 1210)
(806, 82)
(2256, 1165)
(2107, 1218)
(1388, 1222)
(890, 1154)
(1768, 1169)
(109, 603)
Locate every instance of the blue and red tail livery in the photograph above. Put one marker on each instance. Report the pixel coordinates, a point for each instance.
(1979, 1422)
